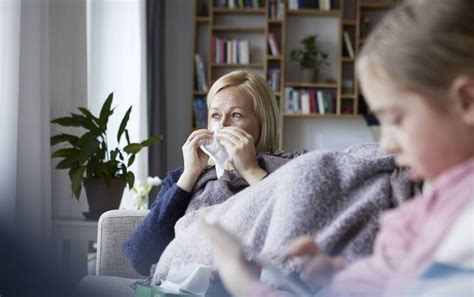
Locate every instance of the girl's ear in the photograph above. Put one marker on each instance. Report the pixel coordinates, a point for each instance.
(462, 93)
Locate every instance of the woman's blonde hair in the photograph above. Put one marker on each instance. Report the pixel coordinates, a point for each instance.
(264, 104)
(423, 45)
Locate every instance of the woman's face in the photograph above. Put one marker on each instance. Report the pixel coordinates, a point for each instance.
(233, 107)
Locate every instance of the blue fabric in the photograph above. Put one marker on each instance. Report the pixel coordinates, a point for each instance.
(151, 237)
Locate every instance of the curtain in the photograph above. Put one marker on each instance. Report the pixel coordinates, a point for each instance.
(25, 175)
(155, 29)
(117, 63)
(9, 69)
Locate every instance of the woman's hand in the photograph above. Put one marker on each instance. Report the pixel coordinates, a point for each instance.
(195, 160)
(241, 147)
(313, 264)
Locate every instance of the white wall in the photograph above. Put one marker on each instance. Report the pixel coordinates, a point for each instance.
(333, 134)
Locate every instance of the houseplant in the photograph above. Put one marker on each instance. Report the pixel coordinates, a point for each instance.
(311, 58)
(103, 171)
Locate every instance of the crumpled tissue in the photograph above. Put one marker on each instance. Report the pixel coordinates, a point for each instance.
(216, 151)
(187, 278)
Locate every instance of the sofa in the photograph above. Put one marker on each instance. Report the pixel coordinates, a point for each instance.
(114, 275)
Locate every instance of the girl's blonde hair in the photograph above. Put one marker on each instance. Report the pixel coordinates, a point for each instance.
(264, 104)
(423, 45)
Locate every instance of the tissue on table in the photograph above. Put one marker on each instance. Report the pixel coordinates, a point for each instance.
(187, 278)
(216, 151)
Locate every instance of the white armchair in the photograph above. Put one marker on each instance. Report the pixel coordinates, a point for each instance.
(114, 228)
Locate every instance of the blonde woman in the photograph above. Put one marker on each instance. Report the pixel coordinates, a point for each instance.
(244, 105)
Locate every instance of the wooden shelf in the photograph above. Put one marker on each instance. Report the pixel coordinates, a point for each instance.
(250, 65)
(275, 21)
(277, 94)
(348, 96)
(239, 29)
(349, 22)
(202, 20)
(311, 85)
(313, 12)
(347, 59)
(239, 10)
(274, 58)
(199, 93)
(324, 116)
(376, 6)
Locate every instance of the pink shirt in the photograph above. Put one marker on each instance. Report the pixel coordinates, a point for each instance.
(408, 239)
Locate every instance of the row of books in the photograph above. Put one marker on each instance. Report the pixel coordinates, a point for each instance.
(273, 43)
(199, 112)
(310, 101)
(314, 4)
(276, 9)
(201, 80)
(239, 3)
(230, 51)
(274, 79)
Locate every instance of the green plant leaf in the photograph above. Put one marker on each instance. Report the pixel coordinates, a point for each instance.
(106, 111)
(89, 115)
(130, 161)
(66, 163)
(65, 153)
(130, 179)
(63, 138)
(88, 150)
(127, 136)
(67, 122)
(133, 148)
(151, 140)
(123, 124)
(86, 138)
(77, 181)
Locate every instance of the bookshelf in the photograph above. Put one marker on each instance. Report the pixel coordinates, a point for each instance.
(220, 28)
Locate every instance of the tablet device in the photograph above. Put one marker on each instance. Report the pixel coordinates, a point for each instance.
(286, 279)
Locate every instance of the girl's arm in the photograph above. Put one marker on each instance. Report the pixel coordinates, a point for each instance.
(150, 238)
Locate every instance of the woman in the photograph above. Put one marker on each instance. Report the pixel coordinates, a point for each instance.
(244, 105)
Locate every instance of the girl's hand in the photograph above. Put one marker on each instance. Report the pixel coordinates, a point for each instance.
(313, 264)
(241, 147)
(195, 160)
(237, 274)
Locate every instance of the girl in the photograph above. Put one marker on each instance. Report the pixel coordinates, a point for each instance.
(417, 73)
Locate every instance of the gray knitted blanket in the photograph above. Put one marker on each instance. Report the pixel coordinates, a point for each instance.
(335, 196)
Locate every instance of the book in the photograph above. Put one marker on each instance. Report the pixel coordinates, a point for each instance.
(320, 98)
(200, 112)
(305, 105)
(200, 74)
(272, 41)
(348, 44)
(244, 50)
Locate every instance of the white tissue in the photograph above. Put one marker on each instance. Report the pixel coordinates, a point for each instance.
(187, 277)
(216, 151)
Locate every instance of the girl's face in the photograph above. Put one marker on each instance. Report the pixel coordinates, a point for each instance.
(233, 107)
(427, 138)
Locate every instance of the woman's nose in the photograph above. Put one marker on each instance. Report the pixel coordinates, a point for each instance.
(225, 121)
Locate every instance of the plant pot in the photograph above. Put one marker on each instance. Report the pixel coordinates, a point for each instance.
(102, 198)
(309, 74)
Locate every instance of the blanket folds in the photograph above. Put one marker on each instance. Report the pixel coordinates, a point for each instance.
(334, 196)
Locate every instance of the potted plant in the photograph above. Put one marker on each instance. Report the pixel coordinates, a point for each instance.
(103, 171)
(310, 57)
